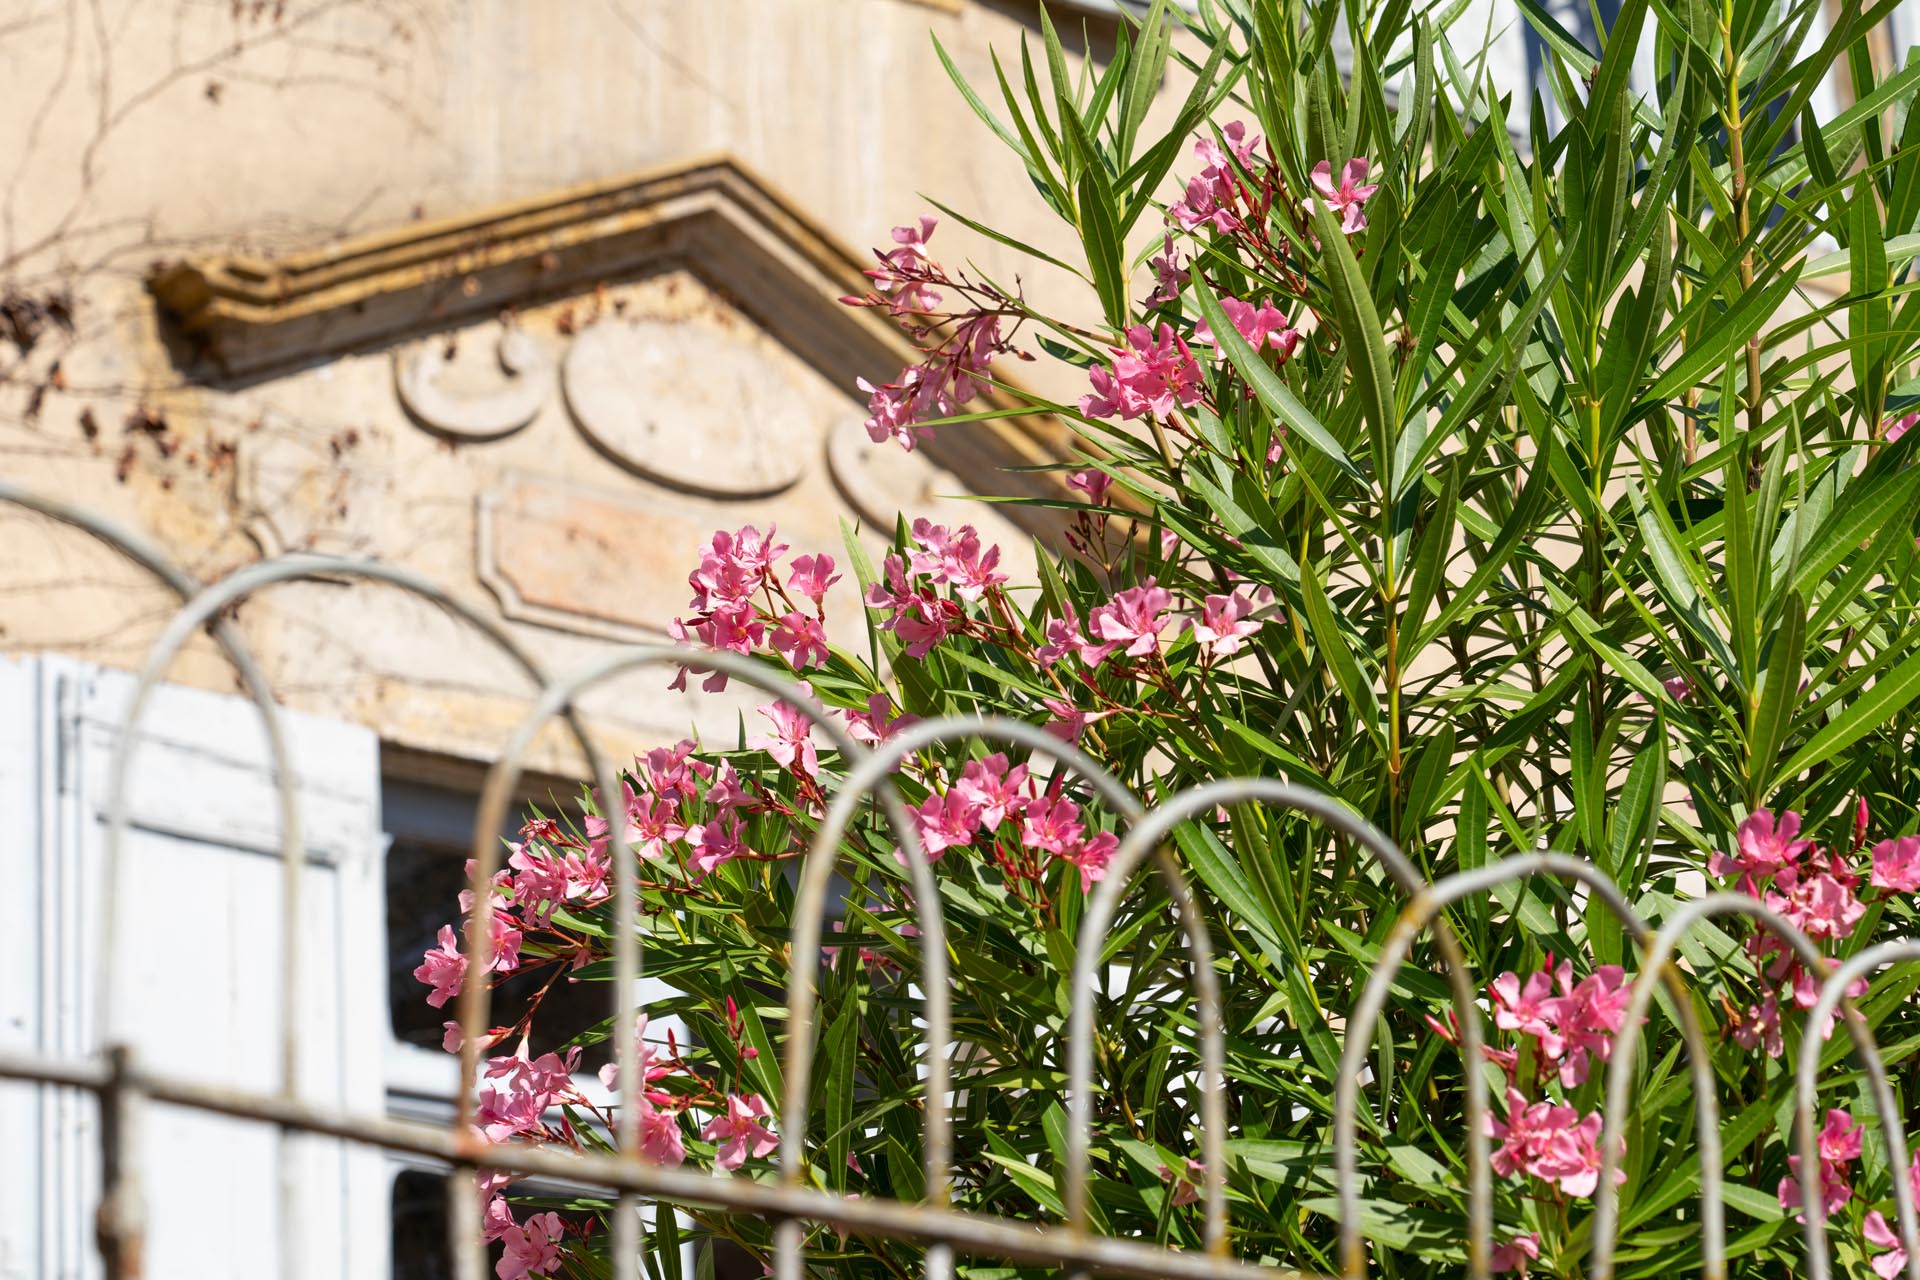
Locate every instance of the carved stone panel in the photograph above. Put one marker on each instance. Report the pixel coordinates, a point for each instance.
(599, 563)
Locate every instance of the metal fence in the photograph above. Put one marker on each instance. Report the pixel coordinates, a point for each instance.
(123, 1086)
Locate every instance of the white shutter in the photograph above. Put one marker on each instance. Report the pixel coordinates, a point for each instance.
(199, 959)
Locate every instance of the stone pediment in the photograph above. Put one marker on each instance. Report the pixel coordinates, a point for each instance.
(252, 319)
(559, 399)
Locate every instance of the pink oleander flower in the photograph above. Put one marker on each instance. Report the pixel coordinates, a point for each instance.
(1094, 484)
(992, 790)
(540, 884)
(1515, 1254)
(1151, 375)
(918, 618)
(1679, 688)
(913, 239)
(944, 822)
(1091, 857)
(660, 1139)
(811, 577)
(1168, 275)
(1896, 865)
(1590, 1015)
(877, 723)
(954, 558)
(732, 567)
(736, 631)
(1548, 1141)
(1839, 1147)
(1063, 637)
(1878, 1233)
(1897, 427)
(1131, 622)
(1211, 192)
(902, 276)
(1261, 326)
(895, 409)
(1759, 1027)
(1530, 1008)
(496, 1219)
(652, 827)
(1186, 1183)
(587, 875)
(801, 640)
(672, 771)
(1881, 1235)
(1069, 721)
(516, 1107)
(1223, 626)
(714, 843)
(1348, 201)
(532, 1248)
(1821, 903)
(1052, 823)
(1764, 848)
(725, 792)
(740, 1131)
(791, 742)
(443, 968)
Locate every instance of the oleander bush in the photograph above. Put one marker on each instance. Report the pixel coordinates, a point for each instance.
(1516, 475)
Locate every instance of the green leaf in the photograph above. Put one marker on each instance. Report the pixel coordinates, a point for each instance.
(1778, 694)
(1889, 695)
(1364, 344)
(1266, 384)
(1339, 657)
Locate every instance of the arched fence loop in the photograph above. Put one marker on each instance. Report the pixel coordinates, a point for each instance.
(1832, 995)
(1655, 966)
(1419, 914)
(871, 773)
(1146, 836)
(199, 611)
(790, 1201)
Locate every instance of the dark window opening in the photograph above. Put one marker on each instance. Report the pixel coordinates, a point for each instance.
(429, 828)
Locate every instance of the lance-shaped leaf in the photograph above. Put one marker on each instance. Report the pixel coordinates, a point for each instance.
(1266, 384)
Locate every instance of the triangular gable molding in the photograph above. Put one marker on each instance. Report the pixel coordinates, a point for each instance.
(253, 318)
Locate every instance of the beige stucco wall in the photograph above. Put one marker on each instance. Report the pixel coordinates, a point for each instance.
(141, 133)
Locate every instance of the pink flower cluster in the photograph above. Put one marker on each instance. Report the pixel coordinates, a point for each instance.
(937, 556)
(958, 348)
(737, 597)
(1549, 1141)
(1570, 1022)
(1132, 622)
(1262, 326)
(1022, 828)
(1152, 375)
(530, 1248)
(1815, 889)
(1515, 1254)
(1839, 1145)
(444, 968)
(1213, 193)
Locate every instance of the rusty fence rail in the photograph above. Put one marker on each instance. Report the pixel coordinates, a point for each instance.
(123, 1086)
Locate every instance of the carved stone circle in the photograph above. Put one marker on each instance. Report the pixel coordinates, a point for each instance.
(486, 416)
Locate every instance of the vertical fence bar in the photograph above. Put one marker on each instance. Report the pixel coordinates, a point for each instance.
(120, 1224)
